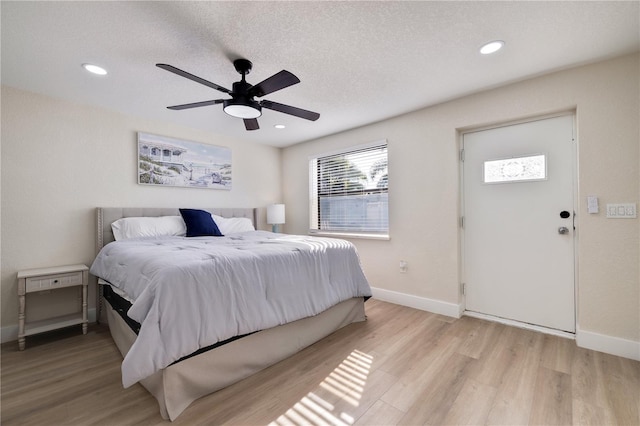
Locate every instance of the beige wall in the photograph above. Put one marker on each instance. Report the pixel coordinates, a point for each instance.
(424, 188)
(60, 160)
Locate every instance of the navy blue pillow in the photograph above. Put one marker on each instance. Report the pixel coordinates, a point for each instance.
(200, 223)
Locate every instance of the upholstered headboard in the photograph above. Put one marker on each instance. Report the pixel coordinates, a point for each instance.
(107, 215)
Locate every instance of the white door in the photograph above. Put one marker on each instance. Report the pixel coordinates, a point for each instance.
(519, 222)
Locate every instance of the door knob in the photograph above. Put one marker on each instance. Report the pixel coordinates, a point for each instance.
(563, 230)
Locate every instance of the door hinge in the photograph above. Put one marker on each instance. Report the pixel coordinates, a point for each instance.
(462, 155)
(463, 289)
(462, 222)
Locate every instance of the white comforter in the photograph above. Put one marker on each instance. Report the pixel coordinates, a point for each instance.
(190, 293)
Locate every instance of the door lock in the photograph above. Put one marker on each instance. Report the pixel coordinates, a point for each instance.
(563, 230)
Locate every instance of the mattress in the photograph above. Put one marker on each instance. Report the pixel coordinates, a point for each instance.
(120, 305)
(192, 293)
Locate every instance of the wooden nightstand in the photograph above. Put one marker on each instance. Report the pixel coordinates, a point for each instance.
(33, 280)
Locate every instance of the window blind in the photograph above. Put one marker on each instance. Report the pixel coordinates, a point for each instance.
(349, 191)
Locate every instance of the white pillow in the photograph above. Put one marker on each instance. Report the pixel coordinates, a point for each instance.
(134, 227)
(230, 225)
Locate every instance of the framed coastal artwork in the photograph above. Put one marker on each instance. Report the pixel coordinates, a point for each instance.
(165, 161)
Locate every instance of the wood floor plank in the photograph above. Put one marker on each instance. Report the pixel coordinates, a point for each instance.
(497, 359)
(338, 401)
(552, 403)
(434, 402)
(477, 336)
(359, 402)
(622, 394)
(557, 353)
(407, 352)
(586, 381)
(513, 402)
(394, 331)
(472, 404)
(402, 366)
(380, 414)
(585, 414)
(407, 390)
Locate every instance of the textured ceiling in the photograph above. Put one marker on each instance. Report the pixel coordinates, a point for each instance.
(358, 62)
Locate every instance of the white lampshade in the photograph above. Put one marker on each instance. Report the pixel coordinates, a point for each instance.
(275, 214)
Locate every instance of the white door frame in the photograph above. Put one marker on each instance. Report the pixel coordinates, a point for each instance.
(575, 234)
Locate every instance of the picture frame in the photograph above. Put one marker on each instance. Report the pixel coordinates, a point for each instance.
(165, 161)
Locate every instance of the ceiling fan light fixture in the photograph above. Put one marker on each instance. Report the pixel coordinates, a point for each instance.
(241, 109)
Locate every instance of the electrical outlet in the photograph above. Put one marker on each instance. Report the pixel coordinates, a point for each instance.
(403, 266)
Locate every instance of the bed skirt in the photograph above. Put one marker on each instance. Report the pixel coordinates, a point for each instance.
(180, 384)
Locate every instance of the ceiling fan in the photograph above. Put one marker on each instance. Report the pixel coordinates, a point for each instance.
(242, 103)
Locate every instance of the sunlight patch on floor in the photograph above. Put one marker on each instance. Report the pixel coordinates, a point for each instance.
(345, 383)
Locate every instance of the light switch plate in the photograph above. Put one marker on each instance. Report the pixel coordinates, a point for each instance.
(621, 211)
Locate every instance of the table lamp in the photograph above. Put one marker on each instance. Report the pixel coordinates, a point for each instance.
(275, 216)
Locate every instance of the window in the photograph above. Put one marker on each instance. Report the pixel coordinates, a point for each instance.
(349, 192)
(516, 169)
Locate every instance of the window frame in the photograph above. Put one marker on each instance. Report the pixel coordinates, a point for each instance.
(315, 194)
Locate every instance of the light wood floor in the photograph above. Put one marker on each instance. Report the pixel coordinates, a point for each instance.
(402, 366)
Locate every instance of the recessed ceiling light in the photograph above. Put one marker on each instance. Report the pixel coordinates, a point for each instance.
(279, 126)
(94, 69)
(492, 47)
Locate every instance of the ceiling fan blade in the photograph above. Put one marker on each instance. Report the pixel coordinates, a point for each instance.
(298, 112)
(196, 104)
(251, 124)
(192, 77)
(274, 83)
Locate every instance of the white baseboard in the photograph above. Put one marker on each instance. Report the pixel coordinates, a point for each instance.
(417, 302)
(608, 344)
(10, 332)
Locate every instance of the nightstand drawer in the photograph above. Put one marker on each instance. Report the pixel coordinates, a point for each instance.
(53, 281)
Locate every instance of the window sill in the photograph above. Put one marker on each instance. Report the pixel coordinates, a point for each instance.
(380, 237)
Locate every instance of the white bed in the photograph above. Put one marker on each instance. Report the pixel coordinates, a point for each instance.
(179, 384)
